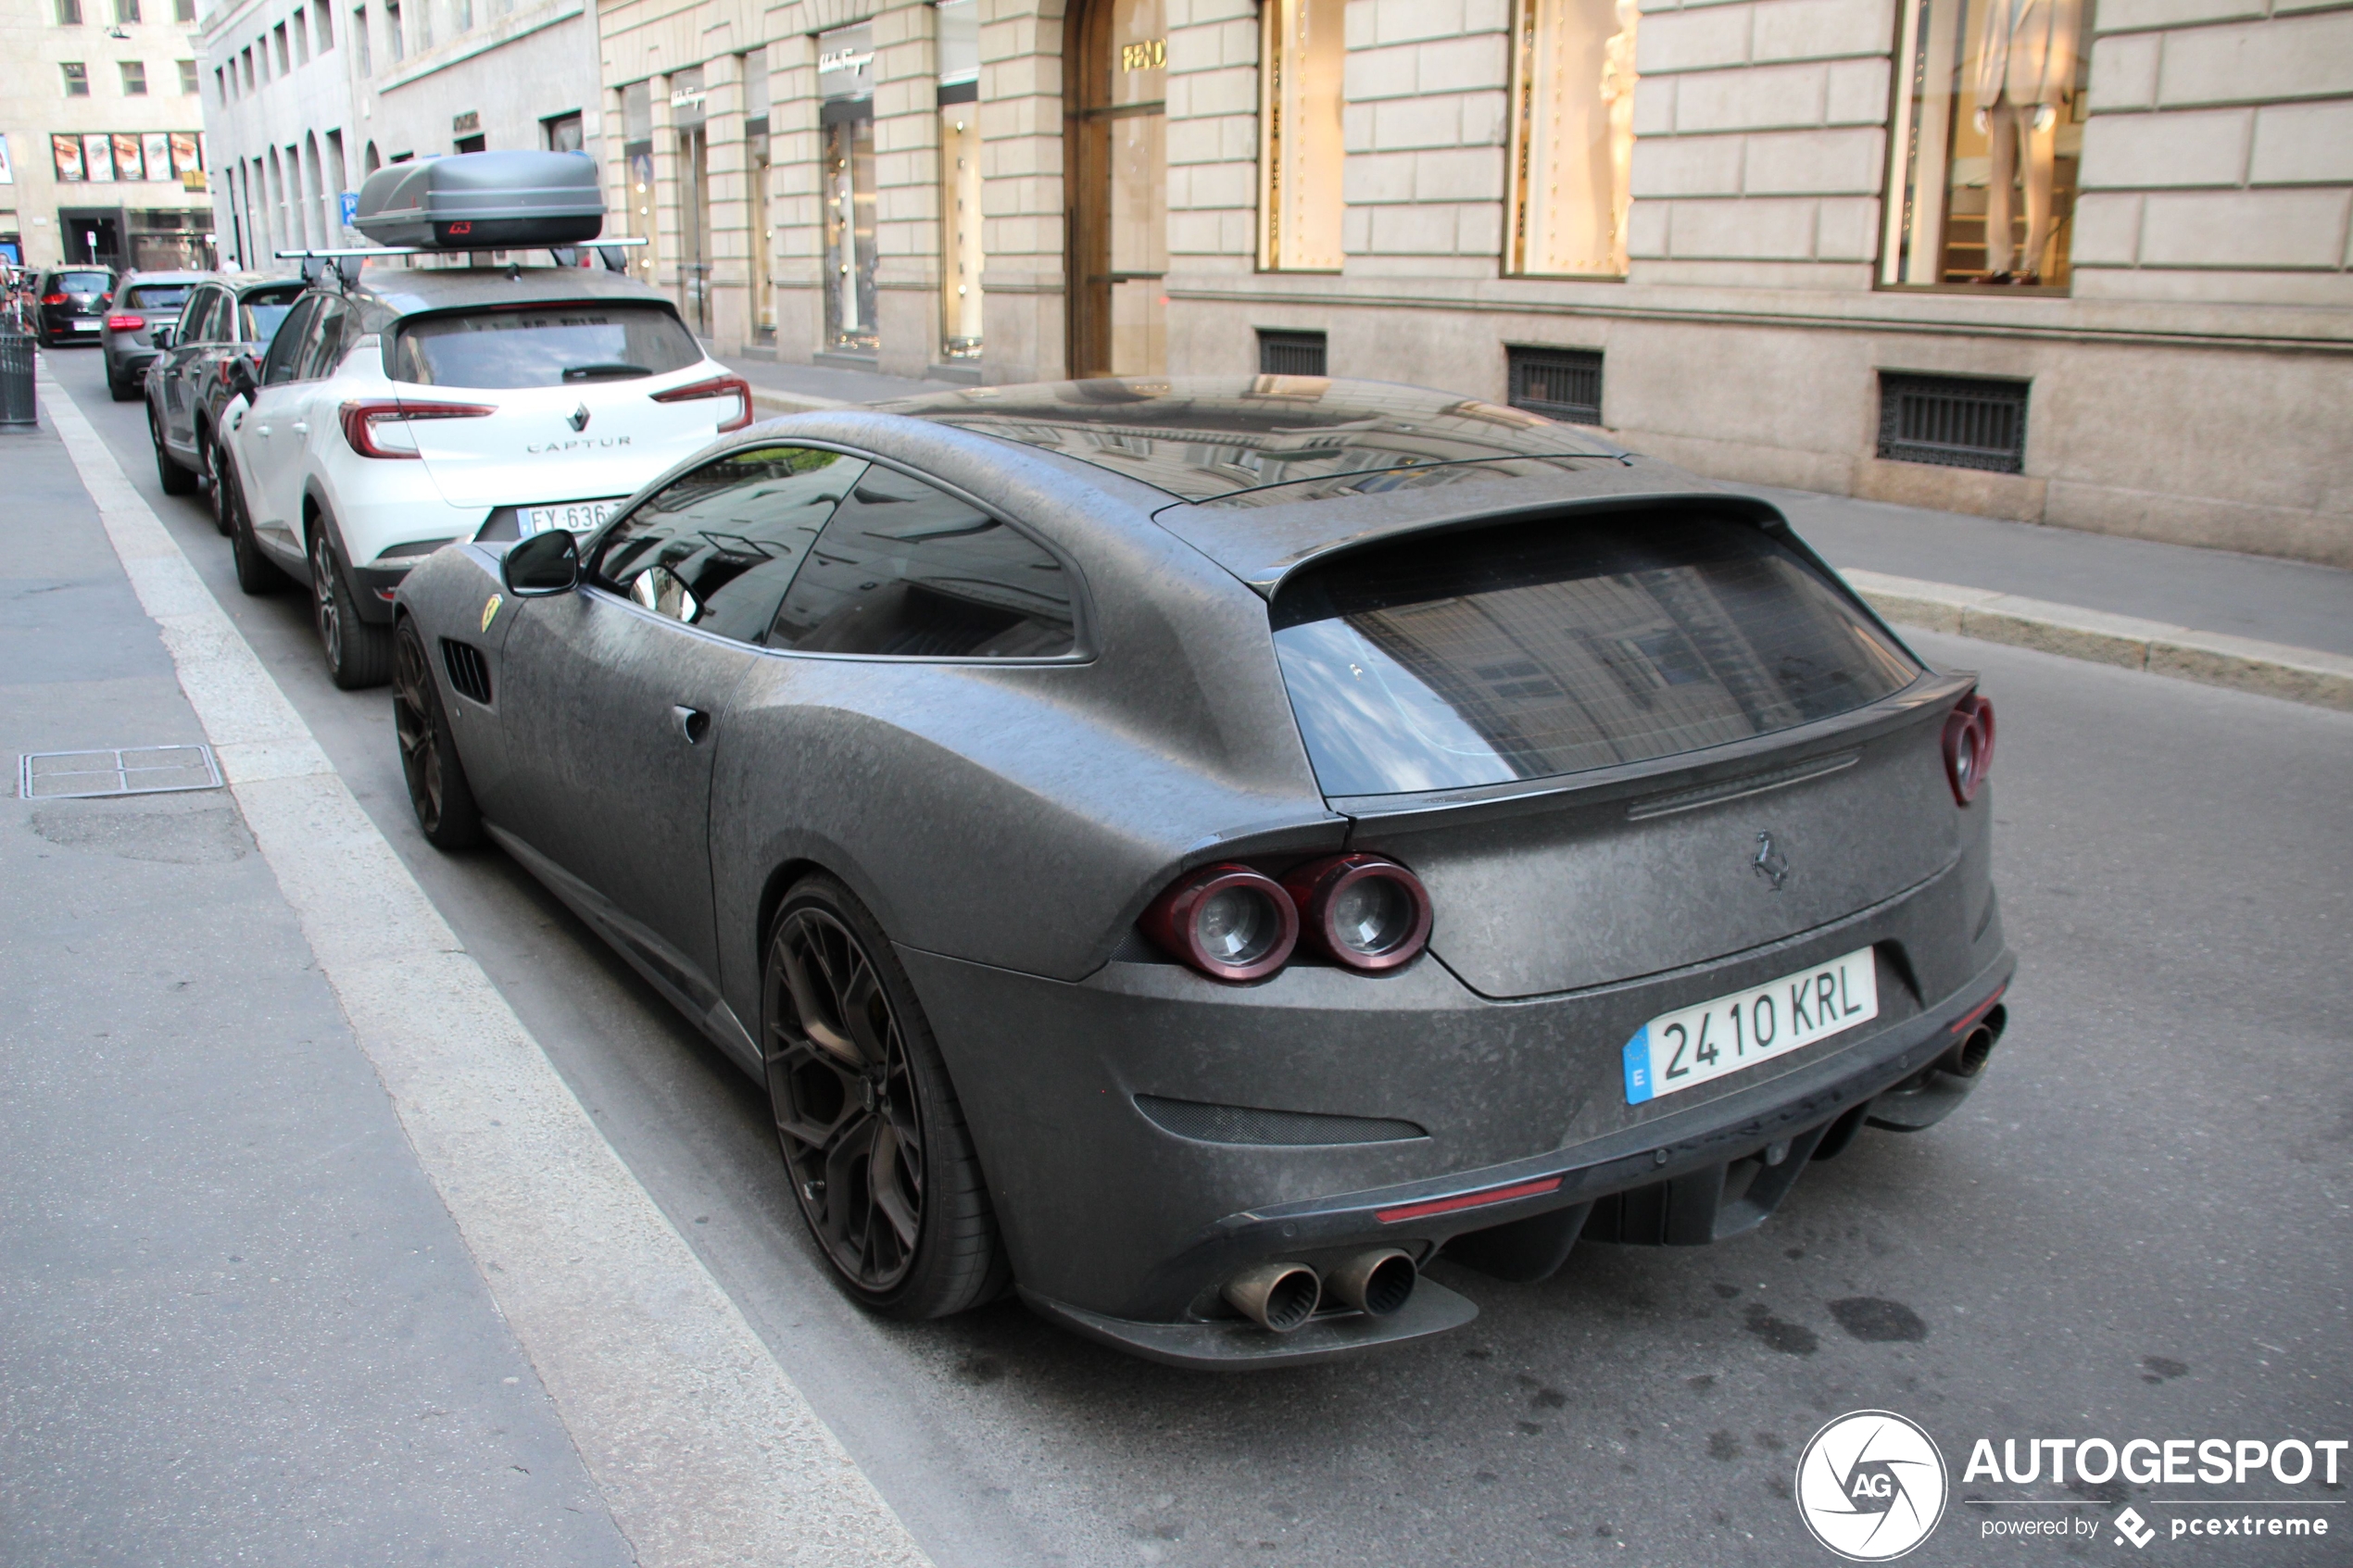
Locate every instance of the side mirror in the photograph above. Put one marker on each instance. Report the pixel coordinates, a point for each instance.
(543, 564)
(161, 338)
(241, 377)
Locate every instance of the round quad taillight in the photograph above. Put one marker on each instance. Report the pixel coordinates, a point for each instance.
(1968, 746)
(1228, 922)
(1361, 910)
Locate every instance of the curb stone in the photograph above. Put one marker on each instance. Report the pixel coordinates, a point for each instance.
(2213, 659)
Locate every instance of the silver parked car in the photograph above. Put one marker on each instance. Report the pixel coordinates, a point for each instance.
(1192, 852)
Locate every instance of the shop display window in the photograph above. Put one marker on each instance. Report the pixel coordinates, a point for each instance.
(1572, 137)
(960, 228)
(845, 115)
(1986, 140)
(1300, 150)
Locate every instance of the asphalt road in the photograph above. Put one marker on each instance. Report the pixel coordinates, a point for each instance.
(2140, 1225)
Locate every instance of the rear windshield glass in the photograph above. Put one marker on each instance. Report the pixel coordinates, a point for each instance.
(264, 309)
(84, 282)
(157, 296)
(560, 345)
(1551, 647)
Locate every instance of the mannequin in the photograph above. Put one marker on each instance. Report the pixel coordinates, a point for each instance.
(1618, 78)
(2025, 75)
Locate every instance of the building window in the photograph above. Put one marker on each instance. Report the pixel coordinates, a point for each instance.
(1961, 422)
(1560, 384)
(393, 42)
(562, 133)
(638, 159)
(69, 13)
(846, 114)
(126, 12)
(761, 241)
(322, 16)
(134, 79)
(1987, 137)
(77, 77)
(284, 60)
(188, 78)
(959, 252)
(183, 10)
(1301, 151)
(1291, 354)
(1572, 137)
(359, 40)
(301, 38)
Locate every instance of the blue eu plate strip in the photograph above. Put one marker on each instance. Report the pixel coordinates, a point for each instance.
(1638, 1066)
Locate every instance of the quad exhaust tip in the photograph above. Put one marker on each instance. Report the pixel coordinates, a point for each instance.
(1278, 1296)
(1376, 1282)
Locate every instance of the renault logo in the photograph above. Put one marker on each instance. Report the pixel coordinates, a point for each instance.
(578, 417)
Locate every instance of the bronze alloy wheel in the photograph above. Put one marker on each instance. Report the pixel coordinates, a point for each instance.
(437, 789)
(326, 611)
(873, 1137)
(213, 477)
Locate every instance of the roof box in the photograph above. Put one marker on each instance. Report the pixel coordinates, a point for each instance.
(483, 201)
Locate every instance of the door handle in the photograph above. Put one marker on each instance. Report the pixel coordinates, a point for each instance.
(299, 428)
(693, 724)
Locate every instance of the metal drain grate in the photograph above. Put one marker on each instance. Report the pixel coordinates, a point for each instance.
(1560, 384)
(1955, 422)
(134, 769)
(1290, 353)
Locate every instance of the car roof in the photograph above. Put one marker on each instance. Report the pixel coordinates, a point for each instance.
(246, 282)
(407, 291)
(179, 277)
(1204, 438)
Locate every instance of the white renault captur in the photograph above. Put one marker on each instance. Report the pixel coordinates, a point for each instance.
(400, 408)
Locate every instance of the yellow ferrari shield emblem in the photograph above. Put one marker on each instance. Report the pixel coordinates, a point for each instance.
(490, 612)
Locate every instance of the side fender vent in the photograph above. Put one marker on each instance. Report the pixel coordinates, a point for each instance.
(469, 672)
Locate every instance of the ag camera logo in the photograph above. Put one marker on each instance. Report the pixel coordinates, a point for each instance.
(1871, 1486)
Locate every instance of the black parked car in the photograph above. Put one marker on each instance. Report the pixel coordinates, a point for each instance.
(144, 302)
(71, 303)
(189, 383)
(1192, 851)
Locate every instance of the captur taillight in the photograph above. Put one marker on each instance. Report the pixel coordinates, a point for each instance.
(1968, 746)
(1361, 910)
(378, 426)
(735, 387)
(1228, 922)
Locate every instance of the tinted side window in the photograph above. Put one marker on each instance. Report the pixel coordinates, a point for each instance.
(905, 569)
(716, 548)
(323, 349)
(285, 349)
(194, 317)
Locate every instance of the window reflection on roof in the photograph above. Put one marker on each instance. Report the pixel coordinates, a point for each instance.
(1204, 438)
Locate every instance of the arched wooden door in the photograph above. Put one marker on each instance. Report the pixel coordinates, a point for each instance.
(1118, 55)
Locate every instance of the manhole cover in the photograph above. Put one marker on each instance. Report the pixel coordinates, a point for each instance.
(134, 769)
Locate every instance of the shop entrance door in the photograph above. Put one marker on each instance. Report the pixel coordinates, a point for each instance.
(693, 229)
(1118, 57)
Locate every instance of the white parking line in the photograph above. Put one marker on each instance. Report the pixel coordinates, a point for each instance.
(704, 1450)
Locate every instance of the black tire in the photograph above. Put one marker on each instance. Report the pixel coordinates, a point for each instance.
(175, 480)
(856, 1083)
(123, 391)
(257, 574)
(359, 656)
(215, 488)
(438, 791)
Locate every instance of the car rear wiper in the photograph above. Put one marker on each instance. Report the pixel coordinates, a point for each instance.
(614, 371)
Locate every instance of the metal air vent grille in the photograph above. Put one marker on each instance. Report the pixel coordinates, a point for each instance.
(1291, 354)
(1956, 422)
(469, 673)
(1560, 384)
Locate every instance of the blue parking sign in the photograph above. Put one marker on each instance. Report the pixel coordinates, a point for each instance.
(350, 209)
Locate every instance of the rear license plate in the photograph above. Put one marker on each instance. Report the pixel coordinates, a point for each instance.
(1677, 1050)
(577, 516)
(87, 326)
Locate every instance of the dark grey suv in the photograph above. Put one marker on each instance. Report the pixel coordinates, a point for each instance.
(223, 321)
(142, 302)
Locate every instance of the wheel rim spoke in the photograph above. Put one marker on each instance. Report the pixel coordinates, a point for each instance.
(843, 1098)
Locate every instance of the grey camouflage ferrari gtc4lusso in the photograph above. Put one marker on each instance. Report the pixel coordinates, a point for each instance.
(1192, 852)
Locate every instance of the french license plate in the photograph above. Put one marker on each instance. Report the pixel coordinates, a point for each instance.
(1679, 1051)
(85, 326)
(577, 516)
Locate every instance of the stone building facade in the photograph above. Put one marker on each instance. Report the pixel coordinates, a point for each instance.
(304, 101)
(2079, 261)
(102, 151)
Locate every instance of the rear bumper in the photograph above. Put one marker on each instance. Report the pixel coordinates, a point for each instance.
(1689, 1178)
